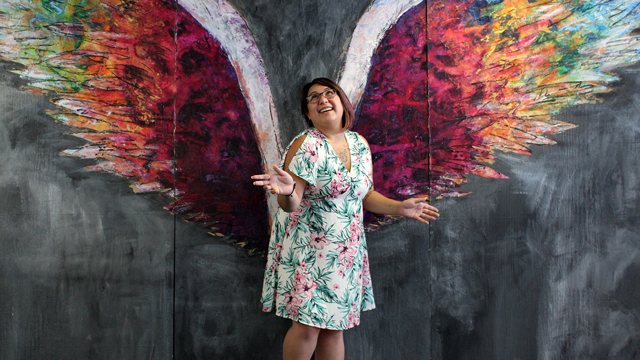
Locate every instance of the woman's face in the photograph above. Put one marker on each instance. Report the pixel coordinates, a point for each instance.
(325, 112)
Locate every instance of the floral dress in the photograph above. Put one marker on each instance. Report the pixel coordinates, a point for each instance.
(317, 268)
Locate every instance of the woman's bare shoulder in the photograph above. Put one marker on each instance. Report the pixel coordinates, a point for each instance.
(296, 144)
(293, 149)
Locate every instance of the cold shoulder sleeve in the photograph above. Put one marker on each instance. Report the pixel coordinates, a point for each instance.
(304, 163)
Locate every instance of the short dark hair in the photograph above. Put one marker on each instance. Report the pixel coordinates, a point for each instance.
(348, 115)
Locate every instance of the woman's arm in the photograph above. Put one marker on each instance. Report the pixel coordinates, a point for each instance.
(282, 181)
(415, 208)
(380, 204)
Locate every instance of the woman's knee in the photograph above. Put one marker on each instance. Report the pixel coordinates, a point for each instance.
(305, 332)
(330, 335)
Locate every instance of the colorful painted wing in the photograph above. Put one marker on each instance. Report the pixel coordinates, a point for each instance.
(450, 82)
(158, 100)
(385, 76)
(500, 73)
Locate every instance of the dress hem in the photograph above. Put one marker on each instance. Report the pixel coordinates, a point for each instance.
(327, 328)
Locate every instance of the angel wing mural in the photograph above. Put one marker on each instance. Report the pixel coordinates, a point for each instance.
(498, 74)
(158, 99)
(175, 96)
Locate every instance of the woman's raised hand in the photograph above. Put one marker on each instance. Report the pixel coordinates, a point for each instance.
(418, 209)
(280, 183)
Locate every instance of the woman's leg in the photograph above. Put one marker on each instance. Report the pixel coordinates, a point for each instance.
(330, 345)
(300, 342)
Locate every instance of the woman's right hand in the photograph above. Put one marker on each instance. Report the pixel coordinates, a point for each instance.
(280, 183)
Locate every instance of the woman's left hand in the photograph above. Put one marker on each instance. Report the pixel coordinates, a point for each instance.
(418, 209)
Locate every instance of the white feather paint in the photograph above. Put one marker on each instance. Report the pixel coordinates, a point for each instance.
(375, 22)
(224, 23)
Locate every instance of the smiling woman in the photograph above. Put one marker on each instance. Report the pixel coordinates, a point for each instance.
(318, 268)
(313, 94)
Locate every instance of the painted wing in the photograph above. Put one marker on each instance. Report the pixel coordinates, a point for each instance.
(157, 98)
(385, 76)
(499, 73)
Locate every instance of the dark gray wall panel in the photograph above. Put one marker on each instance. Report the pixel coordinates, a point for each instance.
(540, 266)
(86, 265)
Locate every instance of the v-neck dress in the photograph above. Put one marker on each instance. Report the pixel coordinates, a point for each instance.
(317, 267)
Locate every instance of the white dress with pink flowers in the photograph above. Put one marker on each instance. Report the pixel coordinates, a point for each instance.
(317, 267)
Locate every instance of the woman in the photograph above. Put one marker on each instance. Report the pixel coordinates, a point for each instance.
(317, 269)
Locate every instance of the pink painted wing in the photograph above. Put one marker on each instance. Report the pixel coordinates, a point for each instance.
(453, 81)
(412, 156)
(392, 113)
(499, 74)
(157, 99)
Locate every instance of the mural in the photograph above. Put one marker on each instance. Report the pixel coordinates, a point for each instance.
(509, 75)
(160, 103)
(499, 73)
(138, 96)
(173, 105)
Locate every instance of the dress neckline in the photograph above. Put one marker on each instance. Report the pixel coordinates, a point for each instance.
(349, 146)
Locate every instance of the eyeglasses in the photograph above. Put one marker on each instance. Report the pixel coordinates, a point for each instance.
(314, 96)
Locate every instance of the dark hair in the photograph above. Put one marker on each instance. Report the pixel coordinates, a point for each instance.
(347, 116)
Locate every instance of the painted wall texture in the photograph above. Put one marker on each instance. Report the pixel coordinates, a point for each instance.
(128, 131)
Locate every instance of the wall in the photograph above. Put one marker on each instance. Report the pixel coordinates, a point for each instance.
(542, 265)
